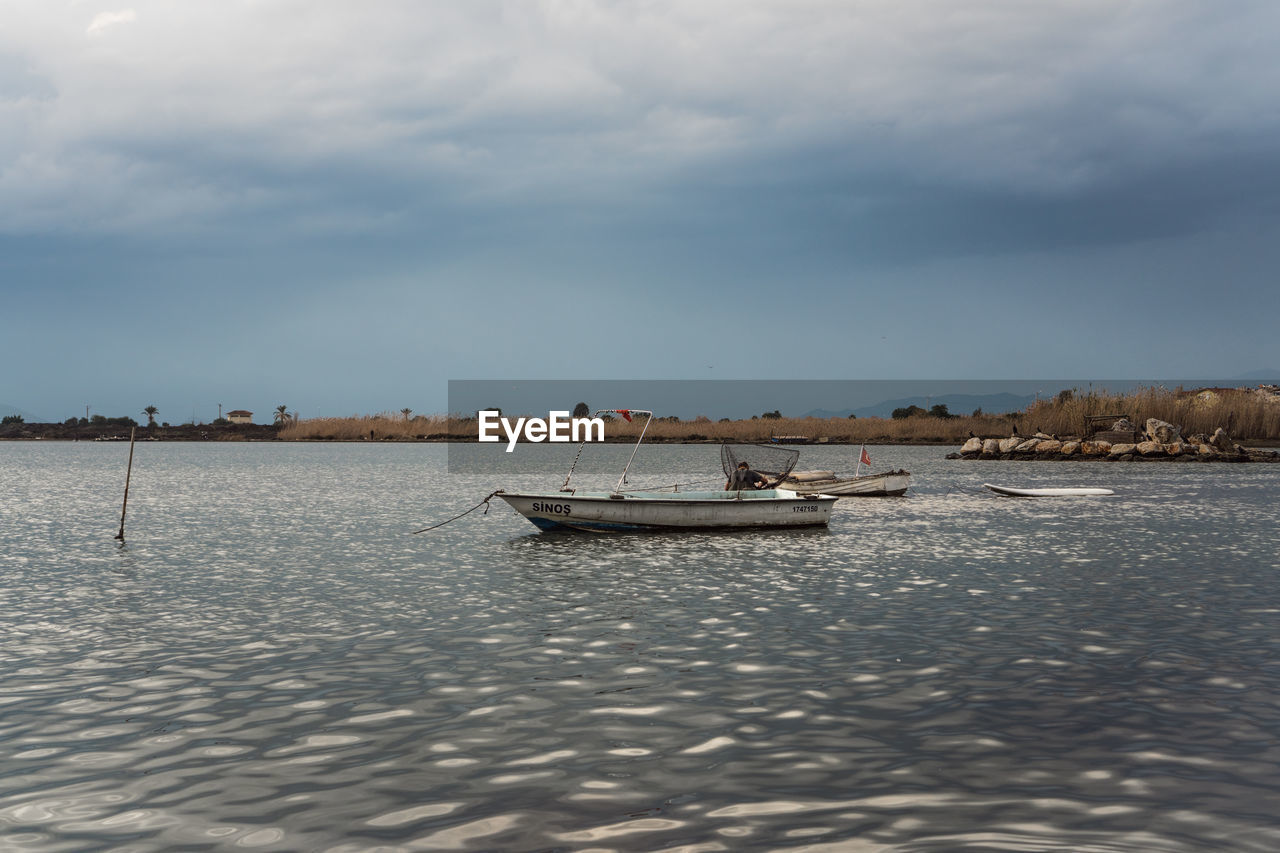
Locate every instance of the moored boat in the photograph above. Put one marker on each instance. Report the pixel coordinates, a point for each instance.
(886, 484)
(1068, 492)
(645, 510)
(604, 512)
(776, 464)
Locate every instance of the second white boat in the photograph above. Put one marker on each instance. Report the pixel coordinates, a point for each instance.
(888, 484)
(776, 464)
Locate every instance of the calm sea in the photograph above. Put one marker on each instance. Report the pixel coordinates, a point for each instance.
(273, 661)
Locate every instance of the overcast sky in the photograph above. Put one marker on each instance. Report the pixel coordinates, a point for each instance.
(340, 206)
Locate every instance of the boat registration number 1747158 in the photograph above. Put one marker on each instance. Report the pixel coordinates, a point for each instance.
(805, 508)
(559, 509)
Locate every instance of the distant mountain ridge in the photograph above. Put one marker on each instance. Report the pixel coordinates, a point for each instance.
(957, 404)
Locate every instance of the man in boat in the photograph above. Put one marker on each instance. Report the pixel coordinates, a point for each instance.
(744, 478)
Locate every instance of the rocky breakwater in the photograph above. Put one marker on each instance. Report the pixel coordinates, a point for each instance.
(1158, 442)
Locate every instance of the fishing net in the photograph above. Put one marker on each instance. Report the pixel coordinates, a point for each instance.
(768, 459)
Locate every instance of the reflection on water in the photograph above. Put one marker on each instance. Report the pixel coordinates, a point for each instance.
(272, 662)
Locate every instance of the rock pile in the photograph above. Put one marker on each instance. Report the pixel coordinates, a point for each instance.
(1159, 441)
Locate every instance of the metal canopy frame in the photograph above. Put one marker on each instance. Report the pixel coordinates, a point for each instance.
(626, 413)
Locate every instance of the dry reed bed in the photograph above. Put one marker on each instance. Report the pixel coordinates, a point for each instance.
(363, 427)
(1244, 414)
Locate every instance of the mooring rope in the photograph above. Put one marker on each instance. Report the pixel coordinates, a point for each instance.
(484, 503)
(962, 487)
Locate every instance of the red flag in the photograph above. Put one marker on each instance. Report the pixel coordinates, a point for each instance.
(866, 460)
(626, 413)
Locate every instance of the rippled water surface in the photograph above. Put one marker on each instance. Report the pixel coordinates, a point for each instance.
(274, 661)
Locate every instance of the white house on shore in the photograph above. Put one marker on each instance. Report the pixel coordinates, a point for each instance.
(240, 416)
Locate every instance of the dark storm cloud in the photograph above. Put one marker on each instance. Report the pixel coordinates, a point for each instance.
(532, 169)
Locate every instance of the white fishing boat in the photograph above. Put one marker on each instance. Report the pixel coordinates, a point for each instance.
(856, 485)
(604, 512)
(622, 509)
(1009, 491)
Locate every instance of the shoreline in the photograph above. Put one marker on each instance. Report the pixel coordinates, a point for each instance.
(624, 440)
(264, 434)
(1250, 417)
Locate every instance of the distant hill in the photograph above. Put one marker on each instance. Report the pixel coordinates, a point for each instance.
(1260, 376)
(957, 404)
(6, 410)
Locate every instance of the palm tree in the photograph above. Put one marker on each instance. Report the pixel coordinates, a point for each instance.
(406, 413)
(151, 412)
(282, 415)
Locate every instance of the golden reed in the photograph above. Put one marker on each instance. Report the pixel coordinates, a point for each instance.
(1246, 414)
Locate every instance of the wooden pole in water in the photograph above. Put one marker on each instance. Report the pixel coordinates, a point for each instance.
(128, 474)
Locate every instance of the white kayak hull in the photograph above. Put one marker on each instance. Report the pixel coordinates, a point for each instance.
(1048, 493)
(606, 512)
(889, 484)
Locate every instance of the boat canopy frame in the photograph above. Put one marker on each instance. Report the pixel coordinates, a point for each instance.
(626, 413)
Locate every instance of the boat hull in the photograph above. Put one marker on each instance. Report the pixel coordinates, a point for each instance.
(1008, 491)
(604, 512)
(889, 484)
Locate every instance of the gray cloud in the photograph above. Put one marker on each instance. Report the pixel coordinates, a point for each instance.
(186, 116)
